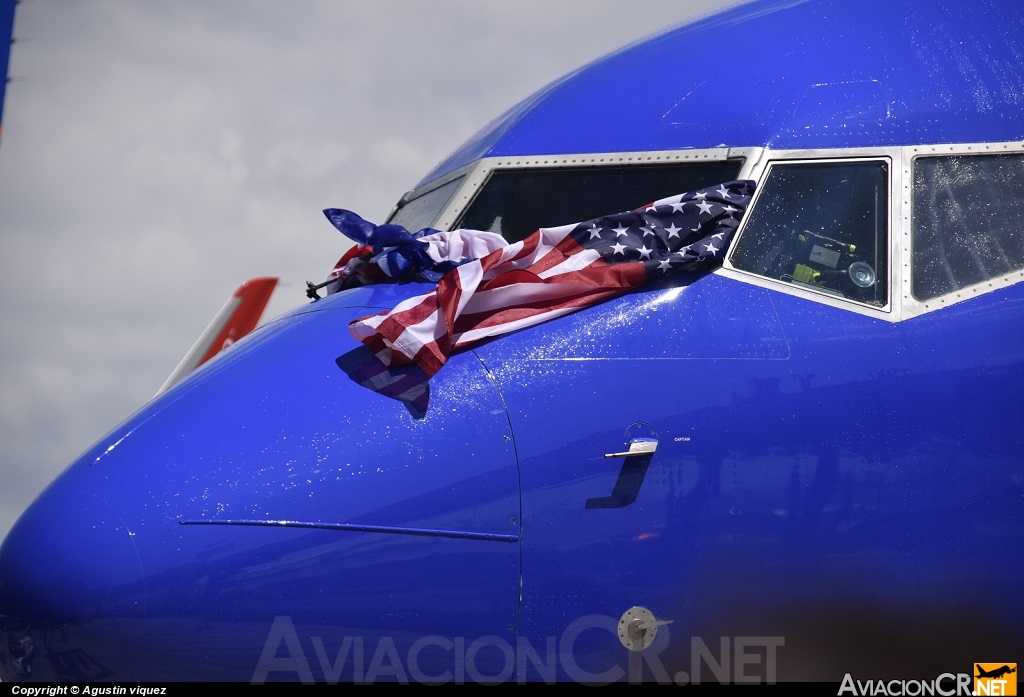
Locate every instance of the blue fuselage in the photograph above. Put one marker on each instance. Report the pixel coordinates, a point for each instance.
(833, 475)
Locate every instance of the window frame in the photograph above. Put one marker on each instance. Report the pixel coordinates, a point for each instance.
(891, 157)
(901, 304)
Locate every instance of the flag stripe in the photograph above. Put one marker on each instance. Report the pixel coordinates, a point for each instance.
(524, 316)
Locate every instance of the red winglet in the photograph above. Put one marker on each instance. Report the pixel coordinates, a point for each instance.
(237, 318)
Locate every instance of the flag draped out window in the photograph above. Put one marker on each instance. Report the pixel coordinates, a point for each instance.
(553, 272)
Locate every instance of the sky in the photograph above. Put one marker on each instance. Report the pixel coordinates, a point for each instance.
(156, 154)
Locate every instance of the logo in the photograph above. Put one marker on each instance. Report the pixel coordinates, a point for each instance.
(492, 659)
(995, 679)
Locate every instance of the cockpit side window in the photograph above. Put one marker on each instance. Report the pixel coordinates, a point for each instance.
(517, 202)
(821, 225)
(968, 223)
(420, 212)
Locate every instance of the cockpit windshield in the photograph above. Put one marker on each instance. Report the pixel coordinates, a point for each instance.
(516, 202)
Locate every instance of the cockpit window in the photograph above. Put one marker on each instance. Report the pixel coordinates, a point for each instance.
(418, 213)
(968, 223)
(515, 203)
(821, 225)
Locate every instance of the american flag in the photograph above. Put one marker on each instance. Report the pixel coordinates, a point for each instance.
(556, 271)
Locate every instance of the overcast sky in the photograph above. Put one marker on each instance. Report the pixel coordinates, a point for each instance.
(156, 154)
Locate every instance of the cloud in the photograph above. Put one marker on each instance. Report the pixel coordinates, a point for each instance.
(155, 155)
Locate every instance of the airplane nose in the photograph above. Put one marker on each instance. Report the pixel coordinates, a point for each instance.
(71, 582)
(273, 488)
